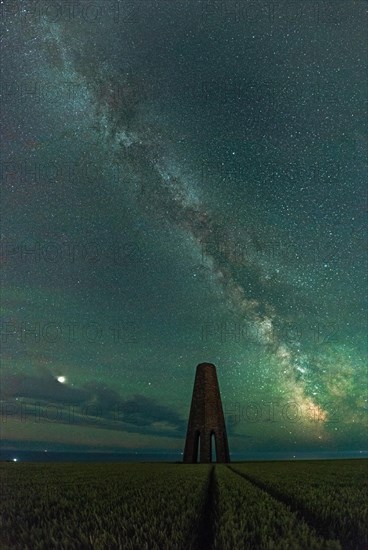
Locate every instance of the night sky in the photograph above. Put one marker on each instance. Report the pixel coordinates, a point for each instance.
(183, 182)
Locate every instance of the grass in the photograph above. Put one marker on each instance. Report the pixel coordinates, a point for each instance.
(159, 506)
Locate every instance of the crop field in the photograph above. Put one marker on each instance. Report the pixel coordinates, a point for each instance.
(265, 505)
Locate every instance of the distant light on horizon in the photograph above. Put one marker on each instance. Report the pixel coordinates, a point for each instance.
(15, 460)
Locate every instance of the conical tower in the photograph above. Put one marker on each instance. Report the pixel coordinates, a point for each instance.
(206, 424)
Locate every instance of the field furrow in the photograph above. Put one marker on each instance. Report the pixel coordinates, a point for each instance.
(248, 517)
(331, 495)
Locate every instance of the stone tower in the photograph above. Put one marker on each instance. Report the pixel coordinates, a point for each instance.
(206, 420)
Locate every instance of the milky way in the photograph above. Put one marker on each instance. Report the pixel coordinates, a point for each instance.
(263, 233)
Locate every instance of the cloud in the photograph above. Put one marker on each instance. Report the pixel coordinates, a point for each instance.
(44, 387)
(93, 404)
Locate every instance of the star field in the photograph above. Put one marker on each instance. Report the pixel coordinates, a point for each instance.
(184, 182)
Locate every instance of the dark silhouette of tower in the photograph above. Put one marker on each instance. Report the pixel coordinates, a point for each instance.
(206, 419)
